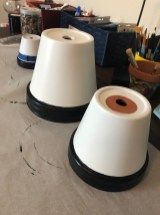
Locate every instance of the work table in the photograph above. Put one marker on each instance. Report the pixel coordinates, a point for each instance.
(36, 177)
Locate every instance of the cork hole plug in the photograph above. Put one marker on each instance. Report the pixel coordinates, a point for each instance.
(121, 102)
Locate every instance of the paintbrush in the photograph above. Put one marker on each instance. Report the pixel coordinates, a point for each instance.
(156, 49)
(131, 58)
(143, 47)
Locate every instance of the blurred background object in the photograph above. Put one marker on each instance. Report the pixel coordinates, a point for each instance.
(12, 6)
(30, 20)
(146, 78)
(49, 1)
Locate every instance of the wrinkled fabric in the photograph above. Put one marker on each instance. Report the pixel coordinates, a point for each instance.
(35, 175)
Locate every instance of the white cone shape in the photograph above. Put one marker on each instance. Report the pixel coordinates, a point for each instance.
(29, 45)
(112, 137)
(64, 73)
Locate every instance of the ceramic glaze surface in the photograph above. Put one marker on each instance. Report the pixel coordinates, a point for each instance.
(70, 36)
(110, 142)
(64, 73)
(29, 44)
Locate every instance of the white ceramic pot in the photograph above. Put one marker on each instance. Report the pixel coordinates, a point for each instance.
(64, 78)
(28, 50)
(109, 148)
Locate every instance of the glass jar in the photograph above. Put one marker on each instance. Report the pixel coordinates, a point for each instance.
(12, 6)
(30, 20)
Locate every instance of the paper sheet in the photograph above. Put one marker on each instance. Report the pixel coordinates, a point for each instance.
(35, 175)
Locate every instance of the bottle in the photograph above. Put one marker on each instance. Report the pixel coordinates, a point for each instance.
(78, 11)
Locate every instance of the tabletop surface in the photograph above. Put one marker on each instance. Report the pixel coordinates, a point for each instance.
(35, 175)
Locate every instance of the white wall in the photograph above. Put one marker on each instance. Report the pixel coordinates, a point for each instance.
(124, 10)
(3, 14)
(119, 10)
(151, 15)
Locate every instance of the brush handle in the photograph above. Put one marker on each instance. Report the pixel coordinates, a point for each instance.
(131, 58)
(157, 67)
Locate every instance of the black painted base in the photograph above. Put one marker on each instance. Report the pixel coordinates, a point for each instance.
(100, 181)
(54, 113)
(25, 65)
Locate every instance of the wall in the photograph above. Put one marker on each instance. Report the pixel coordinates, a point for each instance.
(124, 10)
(119, 10)
(3, 14)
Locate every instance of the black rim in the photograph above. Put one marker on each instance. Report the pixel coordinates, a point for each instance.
(54, 113)
(24, 64)
(100, 181)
